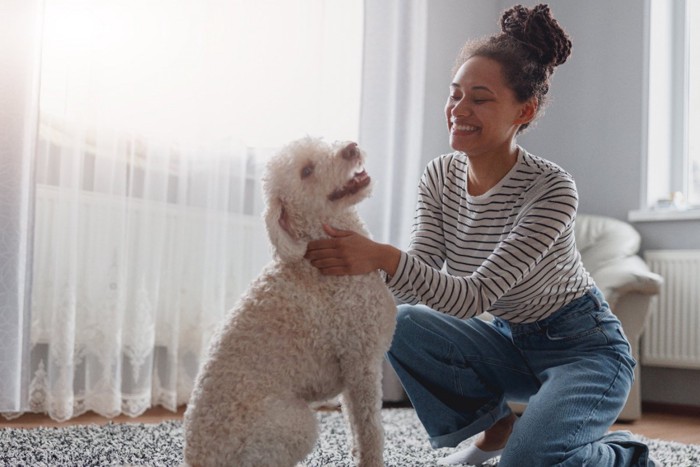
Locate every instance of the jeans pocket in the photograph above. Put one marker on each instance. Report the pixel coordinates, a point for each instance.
(572, 327)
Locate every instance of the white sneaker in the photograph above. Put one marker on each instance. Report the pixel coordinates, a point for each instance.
(470, 455)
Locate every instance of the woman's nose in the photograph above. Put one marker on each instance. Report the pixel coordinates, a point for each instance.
(460, 108)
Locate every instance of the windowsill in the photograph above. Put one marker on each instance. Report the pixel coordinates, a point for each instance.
(662, 215)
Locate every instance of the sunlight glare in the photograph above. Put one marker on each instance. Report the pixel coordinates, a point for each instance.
(256, 71)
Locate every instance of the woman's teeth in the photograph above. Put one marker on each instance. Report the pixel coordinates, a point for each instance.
(464, 127)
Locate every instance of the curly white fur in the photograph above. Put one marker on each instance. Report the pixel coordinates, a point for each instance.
(296, 337)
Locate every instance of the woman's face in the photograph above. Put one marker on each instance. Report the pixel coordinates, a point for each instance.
(483, 115)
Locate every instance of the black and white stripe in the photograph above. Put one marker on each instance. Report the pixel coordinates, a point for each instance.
(510, 252)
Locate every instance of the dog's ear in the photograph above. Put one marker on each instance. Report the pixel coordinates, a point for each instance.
(281, 232)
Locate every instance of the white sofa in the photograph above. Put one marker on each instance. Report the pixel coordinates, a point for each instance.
(609, 250)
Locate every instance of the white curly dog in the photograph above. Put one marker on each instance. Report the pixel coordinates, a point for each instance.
(296, 337)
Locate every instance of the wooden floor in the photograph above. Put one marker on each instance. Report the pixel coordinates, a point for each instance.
(670, 424)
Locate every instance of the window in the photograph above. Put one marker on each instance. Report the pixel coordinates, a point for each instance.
(693, 27)
(673, 145)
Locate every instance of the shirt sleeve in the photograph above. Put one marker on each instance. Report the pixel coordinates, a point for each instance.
(547, 214)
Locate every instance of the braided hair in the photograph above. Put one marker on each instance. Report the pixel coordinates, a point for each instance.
(530, 45)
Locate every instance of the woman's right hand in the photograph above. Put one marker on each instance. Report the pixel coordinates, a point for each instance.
(350, 253)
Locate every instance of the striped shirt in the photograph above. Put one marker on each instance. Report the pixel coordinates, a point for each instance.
(510, 251)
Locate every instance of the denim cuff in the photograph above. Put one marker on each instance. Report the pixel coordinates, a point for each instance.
(484, 422)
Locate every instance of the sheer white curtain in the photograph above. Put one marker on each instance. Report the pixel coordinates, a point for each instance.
(19, 89)
(392, 122)
(139, 251)
(393, 113)
(156, 117)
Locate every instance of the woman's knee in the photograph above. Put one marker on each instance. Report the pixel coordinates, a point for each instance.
(408, 314)
(415, 320)
(406, 317)
(412, 321)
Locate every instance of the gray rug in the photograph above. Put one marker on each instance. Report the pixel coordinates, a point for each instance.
(161, 445)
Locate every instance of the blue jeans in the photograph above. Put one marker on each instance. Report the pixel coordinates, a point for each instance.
(574, 369)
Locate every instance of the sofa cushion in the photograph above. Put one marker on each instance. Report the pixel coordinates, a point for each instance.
(602, 240)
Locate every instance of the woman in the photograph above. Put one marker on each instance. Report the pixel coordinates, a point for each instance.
(494, 232)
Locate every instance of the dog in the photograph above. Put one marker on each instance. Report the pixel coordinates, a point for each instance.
(296, 337)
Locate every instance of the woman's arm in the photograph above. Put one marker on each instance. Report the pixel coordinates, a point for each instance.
(543, 229)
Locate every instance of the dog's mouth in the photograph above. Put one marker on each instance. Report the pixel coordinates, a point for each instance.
(358, 182)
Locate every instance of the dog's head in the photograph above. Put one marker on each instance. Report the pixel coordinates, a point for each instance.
(307, 183)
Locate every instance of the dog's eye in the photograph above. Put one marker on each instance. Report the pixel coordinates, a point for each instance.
(306, 171)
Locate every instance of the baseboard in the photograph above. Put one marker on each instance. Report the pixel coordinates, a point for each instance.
(675, 409)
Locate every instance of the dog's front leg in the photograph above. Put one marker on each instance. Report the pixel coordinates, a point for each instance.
(362, 407)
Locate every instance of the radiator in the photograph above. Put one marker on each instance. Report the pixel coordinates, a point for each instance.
(672, 337)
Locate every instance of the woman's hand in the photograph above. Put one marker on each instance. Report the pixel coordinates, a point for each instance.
(349, 253)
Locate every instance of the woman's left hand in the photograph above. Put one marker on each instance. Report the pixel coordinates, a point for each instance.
(345, 253)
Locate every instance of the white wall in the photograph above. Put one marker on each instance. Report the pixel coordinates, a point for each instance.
(593, 126)
(593, 123)
(450, 23)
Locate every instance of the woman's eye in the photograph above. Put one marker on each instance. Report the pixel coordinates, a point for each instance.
(306, 171)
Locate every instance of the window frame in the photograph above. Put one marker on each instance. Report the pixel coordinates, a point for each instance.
(666, 168)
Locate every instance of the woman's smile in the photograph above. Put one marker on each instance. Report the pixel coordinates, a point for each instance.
(457, 128)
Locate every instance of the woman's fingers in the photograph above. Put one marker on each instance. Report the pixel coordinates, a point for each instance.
(345, 253)
(333, 232)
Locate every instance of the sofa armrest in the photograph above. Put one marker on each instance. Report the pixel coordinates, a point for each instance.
(628, 275)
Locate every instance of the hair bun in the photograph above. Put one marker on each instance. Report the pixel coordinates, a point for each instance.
(539, 31)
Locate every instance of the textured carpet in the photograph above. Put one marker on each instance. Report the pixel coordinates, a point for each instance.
(161, 445)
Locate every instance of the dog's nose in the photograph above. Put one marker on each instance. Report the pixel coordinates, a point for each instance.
(350, 152)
